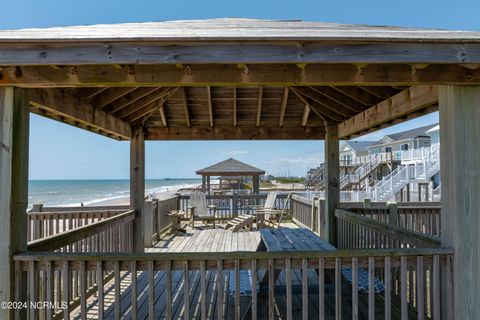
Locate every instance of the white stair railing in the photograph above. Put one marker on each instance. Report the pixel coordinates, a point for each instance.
(417, 166)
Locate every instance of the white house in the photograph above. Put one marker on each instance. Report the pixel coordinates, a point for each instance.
(350, 150)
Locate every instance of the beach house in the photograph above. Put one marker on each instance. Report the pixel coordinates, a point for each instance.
(243, 79)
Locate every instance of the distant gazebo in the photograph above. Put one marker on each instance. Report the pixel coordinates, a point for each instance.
(231, 168)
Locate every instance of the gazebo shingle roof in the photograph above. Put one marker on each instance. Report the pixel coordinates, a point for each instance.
(231, 167)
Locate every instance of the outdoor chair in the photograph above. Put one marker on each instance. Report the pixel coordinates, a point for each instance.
(199, 210)
(269, 213)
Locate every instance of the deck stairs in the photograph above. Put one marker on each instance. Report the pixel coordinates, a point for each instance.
(417, 166)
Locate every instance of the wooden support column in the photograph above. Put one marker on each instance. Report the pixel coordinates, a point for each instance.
(460, 158)
(256, 184)
(208, 185)
(332, 179)
(14, 144)
(137, 185)
(204, 184)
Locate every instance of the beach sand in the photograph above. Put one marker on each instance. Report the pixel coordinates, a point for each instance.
(126, 200)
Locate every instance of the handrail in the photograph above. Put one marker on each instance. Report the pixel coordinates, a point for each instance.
(227, 256)
(404, 235)
(69, 237)
(77, 212)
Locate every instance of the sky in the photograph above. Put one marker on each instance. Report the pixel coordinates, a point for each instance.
(59, 151)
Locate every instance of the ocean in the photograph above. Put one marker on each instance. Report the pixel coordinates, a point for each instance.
(91, 192)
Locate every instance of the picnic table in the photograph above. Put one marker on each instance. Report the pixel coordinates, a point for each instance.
(293, 239)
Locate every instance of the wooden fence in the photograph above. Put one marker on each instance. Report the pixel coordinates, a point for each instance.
(230, 206)
(402, 283)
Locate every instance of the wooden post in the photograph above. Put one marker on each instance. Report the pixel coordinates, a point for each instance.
(256, 184)
(208, 185)
(460, 215)
(148, 225)
(332, 179)
(14, 135)
(204, 184)
(137, 185)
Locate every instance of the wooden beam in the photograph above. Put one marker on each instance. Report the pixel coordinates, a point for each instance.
(339, 98)
(332, 181)
(129, 99)
(408, 101)
(306, 113)
(210, 106)
(185, 106)
(234, 106)
(460, 214)
(259, 106)
(130, 112)
(162, 114)
(79, 112)
(231, 75)
(239, 52)
(235, 133)
(283, 106)
(330, 107)
(318, 112)
(14, 149)
(110, 95)
(137, 185)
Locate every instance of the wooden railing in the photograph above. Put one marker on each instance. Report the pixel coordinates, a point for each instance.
(48, 221)
(157, 221)
(414, 216)
(112, 234)
(230, 206)
(197, 285)
(355, 231)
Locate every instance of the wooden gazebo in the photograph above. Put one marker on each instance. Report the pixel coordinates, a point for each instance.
(231, 168)
(242, 79)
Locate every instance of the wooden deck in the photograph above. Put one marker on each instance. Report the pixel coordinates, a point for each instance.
(208, 239)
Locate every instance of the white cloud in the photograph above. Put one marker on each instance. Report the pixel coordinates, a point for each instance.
(298, 164)
(234, 152)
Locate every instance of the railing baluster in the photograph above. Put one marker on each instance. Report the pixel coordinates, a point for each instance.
(254, 290)
(203, 290)
(116, 271)
(338, 288)
(168, 279)
(151, 291)
(237, 289)
(436, 287)
(371, 288)
(403, 288)
(420, 289)
(388, 288)
(220, 285)
(354, 288)
(305, 289)
(133, 271)
(271, 289)
(66, 289)
(100, 289)
(288, 283)
(83, 291)
(186, 291)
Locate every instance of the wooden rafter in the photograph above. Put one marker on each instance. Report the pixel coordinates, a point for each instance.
(339, 98)
(400, 105)
(210, 106)
(259, 106)
(380, 92)
(307, 103)
(162, 114)
(185, 106)
(325, 113)
(234, 102)
(235, 133)
(108, 96)
(78, 112)
(89, 93)
(361, 96)
(331, 107)
(132, 110)
(231, 75)
(283, 106)
(128, 99)
(306, 113)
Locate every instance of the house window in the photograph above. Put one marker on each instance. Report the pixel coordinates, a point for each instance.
(404, 147)
(388, 149)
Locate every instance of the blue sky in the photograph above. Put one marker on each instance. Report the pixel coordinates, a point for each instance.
(59, 151)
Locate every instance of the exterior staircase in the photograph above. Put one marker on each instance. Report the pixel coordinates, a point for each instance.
(417, 166)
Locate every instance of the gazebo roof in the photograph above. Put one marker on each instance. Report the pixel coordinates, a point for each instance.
(234, 78)
(231, 167)
(237, 29)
